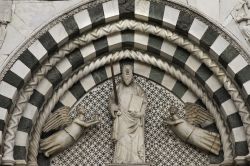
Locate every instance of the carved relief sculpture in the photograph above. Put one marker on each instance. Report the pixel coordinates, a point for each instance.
(128, 114)
(187, 130)
(68, 135)
(242, 16)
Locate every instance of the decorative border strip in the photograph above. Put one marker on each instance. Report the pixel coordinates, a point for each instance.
(22, 77)
(160, 77)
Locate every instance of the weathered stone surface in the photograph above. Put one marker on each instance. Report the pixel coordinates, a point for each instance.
(5, 11)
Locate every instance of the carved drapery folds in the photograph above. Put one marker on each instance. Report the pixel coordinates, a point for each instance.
(58, 72)
(242, 15)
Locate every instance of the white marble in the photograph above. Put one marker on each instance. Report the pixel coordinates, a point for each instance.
(21, 138)
(88, 52)
(234, 29)
(239, 134)
(114, 41)
(12, 39)
(168, 82)
(141, 40)
(192, 3)
(83, 20)
(111, 10)
(59, 34)
(7, 90)
(189, 96)
(142, 9)
(167, 50)
(236, 65)
(2, 59)
(192, 64)
(183, 2)
(210, 8)
(142, 69)
(45, 87)
(219, 45)
(170, 17)
(197, 30)
(3, 114)
(87, 82)
(21, 70)
(68, 99)
(116, 68)
(27, 17)
(64, 67)
(246, 88)
(30, 112)
(38, 50)
(226, 7)
(213, 84)
(2, 34)
(5, 11)
(228, 107)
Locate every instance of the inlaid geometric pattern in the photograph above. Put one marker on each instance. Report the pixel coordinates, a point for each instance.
(95, 147)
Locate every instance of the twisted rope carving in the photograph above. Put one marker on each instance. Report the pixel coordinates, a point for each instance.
(33, 149)
(20, 106)
(108, 29)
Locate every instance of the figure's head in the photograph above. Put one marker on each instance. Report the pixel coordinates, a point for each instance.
(127, 74)
(173, 111)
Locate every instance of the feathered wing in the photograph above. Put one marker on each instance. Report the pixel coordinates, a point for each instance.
(197, 115)
(59, 118)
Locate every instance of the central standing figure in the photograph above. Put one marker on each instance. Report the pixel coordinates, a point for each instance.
(128, 114)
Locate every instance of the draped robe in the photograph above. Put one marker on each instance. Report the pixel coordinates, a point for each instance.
(128, 131)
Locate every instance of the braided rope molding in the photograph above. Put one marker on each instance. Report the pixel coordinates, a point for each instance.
(35, 137)
(128, 24)
(21, 103)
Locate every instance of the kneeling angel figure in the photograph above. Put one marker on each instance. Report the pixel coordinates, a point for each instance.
(187, 130)
(69, 130)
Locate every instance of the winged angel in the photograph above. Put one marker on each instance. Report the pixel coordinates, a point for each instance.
(188, 131)
(69, 130)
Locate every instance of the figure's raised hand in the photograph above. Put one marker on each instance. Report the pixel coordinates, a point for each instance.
(80, 121)
(171, 118)
(55, 143)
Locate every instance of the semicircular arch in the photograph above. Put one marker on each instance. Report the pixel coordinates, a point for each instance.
(60, 39)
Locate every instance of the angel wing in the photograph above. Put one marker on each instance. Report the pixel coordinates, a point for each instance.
(197, 115)
(60, 118)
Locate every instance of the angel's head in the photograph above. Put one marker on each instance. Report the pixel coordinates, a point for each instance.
(80, 112)
(173, 111)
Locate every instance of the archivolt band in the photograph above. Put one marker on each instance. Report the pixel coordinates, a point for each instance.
(168, 37)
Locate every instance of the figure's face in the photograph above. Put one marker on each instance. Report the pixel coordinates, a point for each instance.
(127, 74)
(173, 111)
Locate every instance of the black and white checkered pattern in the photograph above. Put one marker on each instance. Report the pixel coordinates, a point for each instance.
(153, 12)
(152, 44)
